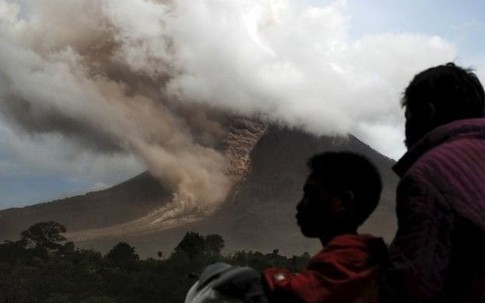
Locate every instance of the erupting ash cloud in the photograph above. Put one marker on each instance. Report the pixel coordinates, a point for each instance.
(145, 77)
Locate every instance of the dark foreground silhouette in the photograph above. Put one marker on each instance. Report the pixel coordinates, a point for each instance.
(339, 194)
(437, 254)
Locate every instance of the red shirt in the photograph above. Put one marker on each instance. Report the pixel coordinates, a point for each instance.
(346, 270)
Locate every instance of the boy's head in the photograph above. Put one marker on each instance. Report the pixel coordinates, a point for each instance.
(340, 193)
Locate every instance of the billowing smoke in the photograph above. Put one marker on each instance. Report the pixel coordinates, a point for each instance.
(153, 78)
(72, 68)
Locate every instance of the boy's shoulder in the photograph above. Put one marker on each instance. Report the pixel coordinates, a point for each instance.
(351, 252)
(347, 269)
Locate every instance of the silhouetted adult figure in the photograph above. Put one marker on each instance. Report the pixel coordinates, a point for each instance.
(438, 252)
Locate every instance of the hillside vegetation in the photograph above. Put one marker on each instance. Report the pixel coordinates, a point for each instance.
(43, 267)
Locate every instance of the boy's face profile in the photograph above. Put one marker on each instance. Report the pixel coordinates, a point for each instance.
(317, 210)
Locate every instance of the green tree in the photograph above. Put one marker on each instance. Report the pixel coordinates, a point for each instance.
(122, 253)
(214, 244)
(58, 298)
(12, 251)
(192, 244)
(44, 236)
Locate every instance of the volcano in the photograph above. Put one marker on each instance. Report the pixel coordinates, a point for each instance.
(269, 165)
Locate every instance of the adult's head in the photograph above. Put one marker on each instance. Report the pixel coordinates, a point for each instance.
(340, 193)
(440, 95)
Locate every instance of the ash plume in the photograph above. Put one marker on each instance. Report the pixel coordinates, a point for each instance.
(68, 68)
(155, 78)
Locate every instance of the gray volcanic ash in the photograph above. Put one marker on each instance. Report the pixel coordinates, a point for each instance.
(242, 136)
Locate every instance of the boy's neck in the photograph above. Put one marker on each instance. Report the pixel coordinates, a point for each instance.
(325, 238)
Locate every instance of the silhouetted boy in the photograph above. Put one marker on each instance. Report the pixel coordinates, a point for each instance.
(340, 193)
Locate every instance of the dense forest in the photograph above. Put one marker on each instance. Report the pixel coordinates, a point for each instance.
(43, 267)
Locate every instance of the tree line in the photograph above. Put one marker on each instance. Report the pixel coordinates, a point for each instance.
(43, 267)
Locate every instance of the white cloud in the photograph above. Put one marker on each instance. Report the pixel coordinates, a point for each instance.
(299, 67)
(105, 77)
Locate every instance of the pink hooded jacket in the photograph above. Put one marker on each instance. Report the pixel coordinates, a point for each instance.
(439, 249)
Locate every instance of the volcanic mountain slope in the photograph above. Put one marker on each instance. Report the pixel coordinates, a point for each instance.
(257, 215)
(134, 201)
(124, 202)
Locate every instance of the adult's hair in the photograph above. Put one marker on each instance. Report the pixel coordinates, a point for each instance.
(346, 171)
(455, 92)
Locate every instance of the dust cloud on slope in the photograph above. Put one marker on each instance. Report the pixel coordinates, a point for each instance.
(155, 79)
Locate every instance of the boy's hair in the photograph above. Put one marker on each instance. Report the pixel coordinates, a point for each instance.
(346, 171)
(455, 92)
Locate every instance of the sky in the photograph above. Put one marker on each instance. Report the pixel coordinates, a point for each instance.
(91, 94)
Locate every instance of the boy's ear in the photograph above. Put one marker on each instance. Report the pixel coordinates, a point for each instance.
(348, 196)
(346, 200)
